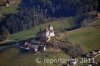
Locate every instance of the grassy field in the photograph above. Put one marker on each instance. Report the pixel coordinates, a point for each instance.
(7, 10)
(12, 57)
(88, 37)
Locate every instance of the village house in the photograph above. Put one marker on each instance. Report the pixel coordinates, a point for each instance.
(31, 47)
(34, 48)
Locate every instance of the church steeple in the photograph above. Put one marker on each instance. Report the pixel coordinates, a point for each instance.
(50, 27)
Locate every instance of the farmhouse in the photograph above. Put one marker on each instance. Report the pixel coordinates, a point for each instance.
(31, 47)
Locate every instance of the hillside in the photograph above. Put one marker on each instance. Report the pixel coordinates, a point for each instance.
(25, 14)
(87, 37)
(73, 27)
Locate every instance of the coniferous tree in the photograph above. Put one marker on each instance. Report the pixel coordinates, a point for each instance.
(4, 33)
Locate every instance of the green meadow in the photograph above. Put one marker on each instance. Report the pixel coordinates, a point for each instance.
(88, 37)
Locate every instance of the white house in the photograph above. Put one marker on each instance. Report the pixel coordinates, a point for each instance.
(47, 33)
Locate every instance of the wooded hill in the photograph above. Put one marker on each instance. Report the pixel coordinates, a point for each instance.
(34, 12)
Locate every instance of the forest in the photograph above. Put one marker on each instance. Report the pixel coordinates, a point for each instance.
(34, 12)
